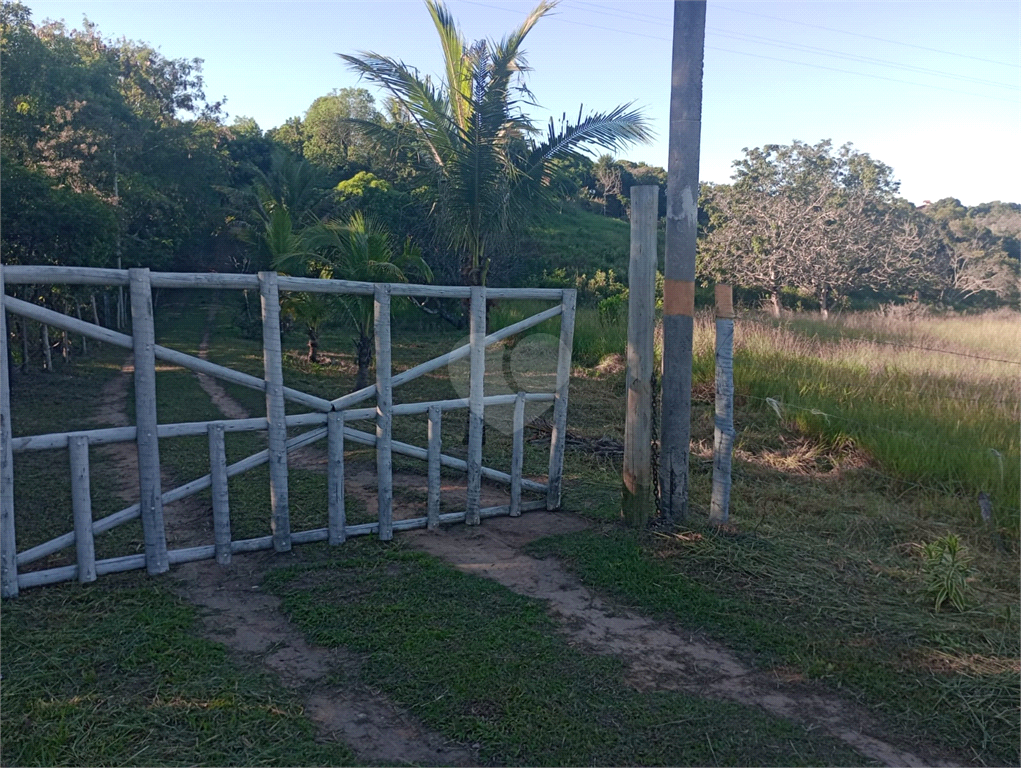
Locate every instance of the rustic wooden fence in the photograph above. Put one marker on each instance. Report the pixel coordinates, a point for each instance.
(327, 419)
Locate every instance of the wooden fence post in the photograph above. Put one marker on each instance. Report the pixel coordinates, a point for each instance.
(476, 407)
(143, 335)
(384, 414)
(723, 441)
(517, 454)
(435, 448)
(220, 492)
(8, 547)
(336, 519)
(81, 506)
(638, 503)
(559, 433)
(273, 365)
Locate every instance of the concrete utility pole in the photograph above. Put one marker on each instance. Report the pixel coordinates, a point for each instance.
(679, 268)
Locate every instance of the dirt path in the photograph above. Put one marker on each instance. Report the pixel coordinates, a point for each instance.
(189, 522)
(658, 656)
(234, 612)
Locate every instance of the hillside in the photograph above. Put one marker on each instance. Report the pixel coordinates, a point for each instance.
(578, 241)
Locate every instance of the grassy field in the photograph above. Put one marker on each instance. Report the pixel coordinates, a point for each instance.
(822, 572)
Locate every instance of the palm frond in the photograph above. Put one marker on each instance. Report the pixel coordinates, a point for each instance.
(458, 70)
(428, 108)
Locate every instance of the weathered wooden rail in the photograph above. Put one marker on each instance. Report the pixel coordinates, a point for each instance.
(327, 419)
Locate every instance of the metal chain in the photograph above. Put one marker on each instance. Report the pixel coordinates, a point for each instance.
(655, 441)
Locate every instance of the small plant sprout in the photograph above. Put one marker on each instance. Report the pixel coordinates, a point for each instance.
(947, 567)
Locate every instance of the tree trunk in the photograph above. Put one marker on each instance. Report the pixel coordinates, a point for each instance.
(313, 345)
(24, 345)
(45, 342)
(823, 309)
(363, 352)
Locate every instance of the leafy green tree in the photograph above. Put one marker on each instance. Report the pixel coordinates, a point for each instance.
(983, 266)
(116, 121)
(364, 251)
(329, 138)
(486, 159)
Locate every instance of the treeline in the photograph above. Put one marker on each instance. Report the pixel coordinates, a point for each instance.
(111, 153)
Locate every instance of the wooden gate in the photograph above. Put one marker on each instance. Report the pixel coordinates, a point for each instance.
(326, 417)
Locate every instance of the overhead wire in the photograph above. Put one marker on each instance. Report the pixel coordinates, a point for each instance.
(649, 19)
(607, 10)
(762, 56)
(871, 37)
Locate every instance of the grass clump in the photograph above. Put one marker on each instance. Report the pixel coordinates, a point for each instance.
(947, 567)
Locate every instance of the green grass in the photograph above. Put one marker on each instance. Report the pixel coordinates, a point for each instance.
(115, 674)
(578, 241)
(51, 402)
(822, 573)
(485, 665)
(783, 597)
(926, 417)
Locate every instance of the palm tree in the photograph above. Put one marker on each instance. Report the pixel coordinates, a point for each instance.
(490, 165)
(363, 250)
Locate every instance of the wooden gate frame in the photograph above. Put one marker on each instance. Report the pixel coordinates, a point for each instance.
(328, 418)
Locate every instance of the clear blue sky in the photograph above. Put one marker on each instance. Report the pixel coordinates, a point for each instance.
(930, 88)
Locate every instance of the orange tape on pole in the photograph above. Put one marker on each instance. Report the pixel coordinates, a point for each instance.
(724, 302)
(678, 297)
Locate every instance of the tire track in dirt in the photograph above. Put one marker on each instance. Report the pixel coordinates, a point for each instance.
(237, 614)
(658, 656)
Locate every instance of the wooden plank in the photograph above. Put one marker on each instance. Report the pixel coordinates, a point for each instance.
(272, 356)
(40, 275)
(413, 409)
(517, 453)
(185, 429)
(48, 316)
(192, 554)
(204, 280)
(558, 438)
(638, 500)
(8, 546)
(221, 494)
(120, 564)
(49, 576)
(723, 437)
(144, 341)
(58, 440)
(384, 415)
(476, 406)
(252, 545)
(335, 477)
(316, 285)
(81, 507)
(435, 449)
(181, 492)
(309, 537)
(415, 452)
(358, 396)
